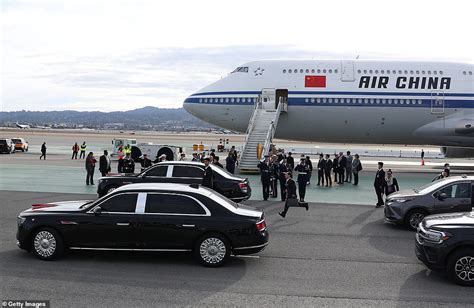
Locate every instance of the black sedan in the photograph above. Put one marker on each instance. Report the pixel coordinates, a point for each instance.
(146, 217)
(235, 188)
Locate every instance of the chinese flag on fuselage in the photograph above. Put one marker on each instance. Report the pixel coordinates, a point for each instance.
(314, 81)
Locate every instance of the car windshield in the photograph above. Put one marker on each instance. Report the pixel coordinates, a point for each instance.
(423, 190)
(16, 140)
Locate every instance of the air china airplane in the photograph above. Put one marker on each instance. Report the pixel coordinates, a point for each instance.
(350, 101)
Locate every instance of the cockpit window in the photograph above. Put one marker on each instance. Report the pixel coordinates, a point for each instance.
(241, 69)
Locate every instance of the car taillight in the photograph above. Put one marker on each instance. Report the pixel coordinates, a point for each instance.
(243, 186)
(261, 225)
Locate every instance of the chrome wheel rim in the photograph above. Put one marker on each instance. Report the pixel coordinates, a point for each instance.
(45, 244)
(415, 219)
(464, 268)
(212, 250)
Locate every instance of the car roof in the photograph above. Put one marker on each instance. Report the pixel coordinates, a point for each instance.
(456, 178)
(181, 162)
(152, 187)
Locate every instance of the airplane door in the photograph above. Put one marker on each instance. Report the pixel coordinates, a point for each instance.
(281, 97)
(437, 102)
(267, 98)
(347, 70)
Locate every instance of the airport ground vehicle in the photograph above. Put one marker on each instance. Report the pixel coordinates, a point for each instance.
(20, 144)
(446, 243)
(152, 150)
(409, 207)
(146, 217)
(186, 172)
(7, 146)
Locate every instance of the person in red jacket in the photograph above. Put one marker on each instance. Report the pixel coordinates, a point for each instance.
(90, 167)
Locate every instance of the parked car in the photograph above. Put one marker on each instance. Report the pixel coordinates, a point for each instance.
(446, 243)
(20, 144)
(186, 172)
(146, 217)
(7, 146)
(409, 207)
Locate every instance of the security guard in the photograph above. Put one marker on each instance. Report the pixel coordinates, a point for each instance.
(303, 171)
(128, 164)
(83, 150)
(282, 170)
(265, 176)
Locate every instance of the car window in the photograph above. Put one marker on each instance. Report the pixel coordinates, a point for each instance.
(187, 172)
(458, 190)
(124, 203)
(172, 204)
(157, 171)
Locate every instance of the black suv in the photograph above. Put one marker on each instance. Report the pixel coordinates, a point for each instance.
(446, 242)
(235, 188)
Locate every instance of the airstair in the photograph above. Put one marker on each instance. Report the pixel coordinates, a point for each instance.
(261, 130)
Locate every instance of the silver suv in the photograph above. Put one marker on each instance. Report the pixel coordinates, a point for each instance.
(409, 207)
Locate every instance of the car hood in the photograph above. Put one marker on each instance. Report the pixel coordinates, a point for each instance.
(405, 193)
(466, 218)
(63, 206)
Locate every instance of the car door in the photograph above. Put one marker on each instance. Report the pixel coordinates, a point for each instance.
(113, 227)
(157, 174)
(171, 221)
(186, 174)
(458, 198)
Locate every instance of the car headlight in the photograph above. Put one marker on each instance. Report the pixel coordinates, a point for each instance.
(398, 200)
(20, 220)
(434, 236)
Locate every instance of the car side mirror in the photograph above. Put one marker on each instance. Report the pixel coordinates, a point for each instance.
(442, 196)
(97, 211)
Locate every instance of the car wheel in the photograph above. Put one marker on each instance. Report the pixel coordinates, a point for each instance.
(110, 189)
(47, 244)
(212, 250)
(460, 267)
(414, 218)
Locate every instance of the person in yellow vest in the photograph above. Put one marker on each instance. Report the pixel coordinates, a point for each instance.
(83, 150)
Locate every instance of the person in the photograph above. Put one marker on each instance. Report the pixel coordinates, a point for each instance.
(90, 167)
(265, 176)
(349, 167)
(290, 161)
(208, 175)
(422, 154)
(75, 150)
(379, 184)
(43, 151)
(128, 164)
(230, 163)
(310, 165)
(341, 167)
(356, 167)
(335, 165)
(145, 162)
(291, 198)
(442, 175)
(104, 163)
(303, 170)
(274, 176)
(216, 162)
(120, 156)
(83, 150)
(327, 170)
(159, 159)
(321, 168)
(392, 183)
(195, 157)
(447, 169)
(282, 169)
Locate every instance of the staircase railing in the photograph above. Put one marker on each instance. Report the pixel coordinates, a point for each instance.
(256, 106)
(271, 130)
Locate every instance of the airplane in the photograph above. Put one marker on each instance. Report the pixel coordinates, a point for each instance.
(350, 101)
(22, 126)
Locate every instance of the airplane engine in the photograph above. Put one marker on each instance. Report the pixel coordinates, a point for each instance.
(456, 152)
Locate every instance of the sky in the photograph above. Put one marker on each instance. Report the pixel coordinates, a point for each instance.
(100, 55)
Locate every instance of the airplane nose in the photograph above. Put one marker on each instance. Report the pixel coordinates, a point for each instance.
(189, 106)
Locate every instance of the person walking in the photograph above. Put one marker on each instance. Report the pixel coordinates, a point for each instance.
(327, 170)
(321, 168)
(230, 163)
(392, 183)
(379, 184)
(75, 150)
(265, 177)
(90, 167)
(104, 163)
(208, 175)
(83, 150)
(349, 167)
(303, 170)
(356, 167)
(43, 151)
(291, 198)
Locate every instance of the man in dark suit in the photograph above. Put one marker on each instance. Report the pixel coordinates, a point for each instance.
(104, 163)
(342, 162)
(265, 176)
(379, 184)
(290, 161)
(291, 198)
(303, 170)
(321, 168)
(208, 176)
(145, 162)
(230, 163)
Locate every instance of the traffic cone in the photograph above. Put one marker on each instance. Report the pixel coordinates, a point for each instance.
(422, 162)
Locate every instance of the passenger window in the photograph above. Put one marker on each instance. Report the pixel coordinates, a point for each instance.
(157, 171)
(124, 203)
(460, 190)
(187, 172)
(172, 204)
